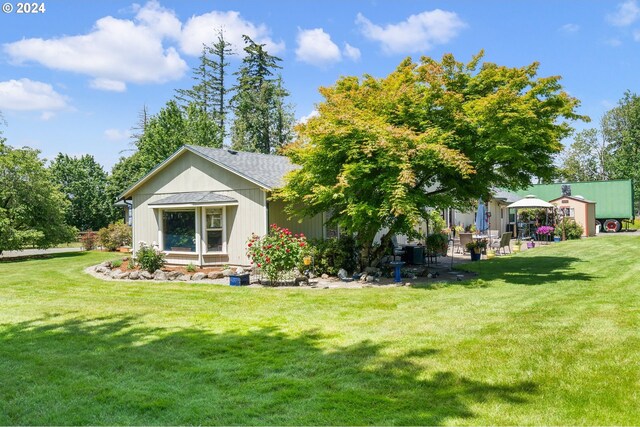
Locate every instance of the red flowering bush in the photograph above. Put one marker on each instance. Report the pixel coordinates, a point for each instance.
(276, 253)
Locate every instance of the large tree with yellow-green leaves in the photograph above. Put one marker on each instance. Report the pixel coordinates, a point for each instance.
(430, 134)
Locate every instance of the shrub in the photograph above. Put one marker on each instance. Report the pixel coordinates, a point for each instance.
(114, 235)
(149, 257)
(191, 268)
(88, 239)
(276, 253)
(437, 243)
(477, 245)
(435, 221)
(116, 263)
(573, 230)
(331, 255)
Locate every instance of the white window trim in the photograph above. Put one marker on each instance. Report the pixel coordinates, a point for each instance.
(224, 231)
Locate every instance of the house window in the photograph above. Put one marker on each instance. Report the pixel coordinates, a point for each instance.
(214, 229)
(568, 212)
(179, 230)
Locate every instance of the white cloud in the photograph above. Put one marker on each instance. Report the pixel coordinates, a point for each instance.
(305, 119)
(160, 20)
(353, 53)
(626, 14)
(418, 33)
(203, 29)
(47, 115)
(570, 28)
(29, 95)
(116, 50)
(315, 47)
(116, 134)
(107, 84)
(636, 35)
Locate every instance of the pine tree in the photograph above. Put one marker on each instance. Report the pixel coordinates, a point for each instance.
(220, 51)
(208, 92)
(143, 121)
(262, 119)
(201, 94)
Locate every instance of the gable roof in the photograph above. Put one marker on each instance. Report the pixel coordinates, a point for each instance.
(505, 196)
(576, 198)
(265, 170)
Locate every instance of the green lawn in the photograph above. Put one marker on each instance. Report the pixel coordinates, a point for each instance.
(549, 336)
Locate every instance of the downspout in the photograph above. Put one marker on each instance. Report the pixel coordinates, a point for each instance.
(266, 212)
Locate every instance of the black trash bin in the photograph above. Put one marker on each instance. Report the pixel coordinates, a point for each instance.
(413, 255)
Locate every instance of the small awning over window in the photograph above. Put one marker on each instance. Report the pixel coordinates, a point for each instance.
(197, 198)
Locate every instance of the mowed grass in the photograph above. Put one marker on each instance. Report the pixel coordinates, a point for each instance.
(549, 336)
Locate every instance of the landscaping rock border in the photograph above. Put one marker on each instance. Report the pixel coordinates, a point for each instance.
(105, 271)
(368, 279)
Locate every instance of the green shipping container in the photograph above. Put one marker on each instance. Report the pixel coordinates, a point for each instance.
(614, 199)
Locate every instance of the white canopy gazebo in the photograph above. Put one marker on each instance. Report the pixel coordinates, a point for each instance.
(529, 202)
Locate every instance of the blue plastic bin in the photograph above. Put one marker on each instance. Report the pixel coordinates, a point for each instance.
(239, 280)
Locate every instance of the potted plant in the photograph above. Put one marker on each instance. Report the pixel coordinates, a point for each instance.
(544, 232)
(475, 248)
(531, 244)
(437, 244)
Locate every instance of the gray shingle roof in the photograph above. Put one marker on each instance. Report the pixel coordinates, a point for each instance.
(267, 170)
(506, 196)
(196, 197)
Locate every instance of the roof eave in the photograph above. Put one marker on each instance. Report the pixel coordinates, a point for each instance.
(168, 160)
(230, 169)
(158, 168)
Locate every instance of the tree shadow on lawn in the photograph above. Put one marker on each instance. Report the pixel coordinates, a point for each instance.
(114, 371)
(539, 270)
(74, 254)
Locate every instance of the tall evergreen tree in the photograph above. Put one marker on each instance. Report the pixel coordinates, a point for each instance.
(143, 120)
(208, 93)
(220, 51)
(262, 118)
(201, 93)
(284, 119)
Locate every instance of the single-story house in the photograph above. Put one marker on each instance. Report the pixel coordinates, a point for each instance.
(201, 205)
(499, 217)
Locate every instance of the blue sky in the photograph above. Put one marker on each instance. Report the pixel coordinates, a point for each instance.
(73, 79)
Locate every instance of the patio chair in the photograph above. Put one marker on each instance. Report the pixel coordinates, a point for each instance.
(464, 239)
(494, 235)
(505, 242)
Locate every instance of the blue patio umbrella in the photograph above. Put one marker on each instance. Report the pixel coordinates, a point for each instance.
(481, 218)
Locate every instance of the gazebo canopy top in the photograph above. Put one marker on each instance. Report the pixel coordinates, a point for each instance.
(530, 201)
